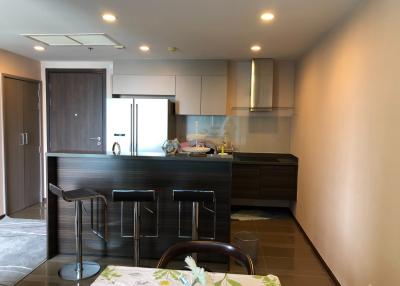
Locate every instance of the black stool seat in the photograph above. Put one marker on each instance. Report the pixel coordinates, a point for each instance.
(134, 195)
(193, 196)
(75, 195)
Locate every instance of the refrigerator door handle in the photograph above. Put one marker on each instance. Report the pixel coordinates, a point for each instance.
(131, 143)
(136, 128)
(22, 139)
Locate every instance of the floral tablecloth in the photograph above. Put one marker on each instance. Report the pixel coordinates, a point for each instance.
(135, 276)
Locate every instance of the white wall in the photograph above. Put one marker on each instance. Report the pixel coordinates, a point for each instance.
(171, 67)
(69, 65)
(16, 65)
(346, 135)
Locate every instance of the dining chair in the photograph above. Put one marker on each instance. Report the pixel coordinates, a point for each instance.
(213, 247)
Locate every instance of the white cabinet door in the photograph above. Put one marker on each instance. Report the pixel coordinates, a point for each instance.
(239, 84)
(143, 85)
(213, 95)
(188, 95)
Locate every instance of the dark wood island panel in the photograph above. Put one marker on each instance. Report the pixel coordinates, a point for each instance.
(104, 173)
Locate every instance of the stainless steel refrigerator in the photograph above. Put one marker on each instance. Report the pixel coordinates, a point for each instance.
(139, 125)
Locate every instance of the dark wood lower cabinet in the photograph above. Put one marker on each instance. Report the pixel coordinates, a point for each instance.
(264, 181)
(245, 181)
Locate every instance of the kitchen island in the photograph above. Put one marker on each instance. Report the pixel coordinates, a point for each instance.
(106, 172)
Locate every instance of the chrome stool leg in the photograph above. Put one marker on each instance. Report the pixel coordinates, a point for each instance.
(195, 225)
(137, 197)
(136, 233)
(80, 269)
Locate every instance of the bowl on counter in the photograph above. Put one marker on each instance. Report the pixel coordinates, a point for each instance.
(196, 150)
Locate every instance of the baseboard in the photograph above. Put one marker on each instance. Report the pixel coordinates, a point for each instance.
(333, 277)
(2, 216)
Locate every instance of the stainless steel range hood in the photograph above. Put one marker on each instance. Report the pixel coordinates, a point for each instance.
(262, 85)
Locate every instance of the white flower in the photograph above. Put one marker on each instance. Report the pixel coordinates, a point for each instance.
(198, 273)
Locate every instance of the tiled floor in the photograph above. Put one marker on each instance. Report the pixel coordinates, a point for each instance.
(283, 251)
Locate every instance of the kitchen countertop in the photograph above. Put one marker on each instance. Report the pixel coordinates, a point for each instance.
(265, 159)
(236, 158)
(146, 156)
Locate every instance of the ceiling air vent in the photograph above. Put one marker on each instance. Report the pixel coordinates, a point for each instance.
(90, 39)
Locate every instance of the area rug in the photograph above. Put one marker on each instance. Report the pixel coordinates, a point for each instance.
(22, 248)
(257, 214)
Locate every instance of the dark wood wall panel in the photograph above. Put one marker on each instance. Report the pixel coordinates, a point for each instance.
(106, 174)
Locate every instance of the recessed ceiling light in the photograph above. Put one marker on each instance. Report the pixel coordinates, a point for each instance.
(39, 48)
(267, 17)
(109, 18)
(172, 49)
(144, 48)
(255, 48)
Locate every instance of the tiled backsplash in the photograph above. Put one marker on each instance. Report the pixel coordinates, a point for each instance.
(258, 133)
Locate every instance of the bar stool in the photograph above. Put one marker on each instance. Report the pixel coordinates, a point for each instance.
(80, 269)
(196, 197)
(137, 197)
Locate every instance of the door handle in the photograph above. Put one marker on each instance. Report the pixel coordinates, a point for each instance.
(98, 139)
(26, 138)
(21, 139)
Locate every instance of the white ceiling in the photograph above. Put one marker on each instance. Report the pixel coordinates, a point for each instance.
(201, 29)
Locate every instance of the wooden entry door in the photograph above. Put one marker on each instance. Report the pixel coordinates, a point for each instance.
(76, 110)
(22, 143)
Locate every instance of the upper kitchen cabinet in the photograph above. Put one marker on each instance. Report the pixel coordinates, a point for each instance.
(239, 79)
(188, 95)
(213, 95)
(199, 86)
(201, 95)
(144, 84)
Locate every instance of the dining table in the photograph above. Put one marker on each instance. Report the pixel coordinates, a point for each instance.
(135, 276)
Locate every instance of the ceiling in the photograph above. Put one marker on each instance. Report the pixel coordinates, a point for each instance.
(201, 29)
